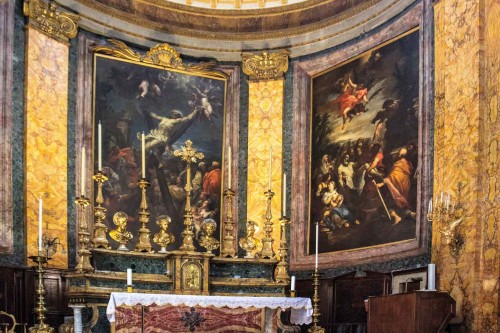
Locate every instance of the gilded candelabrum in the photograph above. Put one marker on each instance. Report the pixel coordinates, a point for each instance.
(207, 239)
(315, 328)
(267, 241)
(281, 270)
(228, 241)
(163, 237)
(100, 230)
(250, 243)
(120, 234)
(84, 254)
(450, 214)
(144, 242)
(188, 154)
(41, 327)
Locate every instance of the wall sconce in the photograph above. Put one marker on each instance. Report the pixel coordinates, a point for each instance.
(448, 213)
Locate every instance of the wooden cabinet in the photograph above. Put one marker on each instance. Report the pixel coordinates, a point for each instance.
(416, 312)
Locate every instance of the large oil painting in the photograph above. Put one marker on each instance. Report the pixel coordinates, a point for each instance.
(170, 107)
(364, 149)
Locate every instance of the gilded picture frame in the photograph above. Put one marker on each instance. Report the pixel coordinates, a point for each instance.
(170, 103)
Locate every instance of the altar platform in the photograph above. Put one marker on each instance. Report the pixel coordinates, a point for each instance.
(140, 312)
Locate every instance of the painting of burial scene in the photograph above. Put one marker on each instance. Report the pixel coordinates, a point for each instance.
(169, 107)
(364, 148)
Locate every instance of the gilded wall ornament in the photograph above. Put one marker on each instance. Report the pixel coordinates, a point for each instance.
(46, 17)
(159, 55)
(266, 66)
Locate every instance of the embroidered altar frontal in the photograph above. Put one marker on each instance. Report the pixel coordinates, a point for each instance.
(184, 319)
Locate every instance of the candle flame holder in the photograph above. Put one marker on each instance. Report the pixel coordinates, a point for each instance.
(228, 241)
(281, 270)
(144, 242)
(450, 213)
(40, 310)
(267, 241)
(100, 230)
(84, 254)
(315, 328)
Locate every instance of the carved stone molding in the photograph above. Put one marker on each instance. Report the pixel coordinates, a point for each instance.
(46, 17)
(266, 66)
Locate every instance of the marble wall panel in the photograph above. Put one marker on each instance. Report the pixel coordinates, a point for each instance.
(46, 140)
(265, 130)
(466, 142)
(6, 71)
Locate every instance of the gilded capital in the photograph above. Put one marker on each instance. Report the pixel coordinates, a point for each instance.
(46, 17)
(265, 66)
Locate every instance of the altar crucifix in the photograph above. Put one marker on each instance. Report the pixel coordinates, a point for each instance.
(190, 155)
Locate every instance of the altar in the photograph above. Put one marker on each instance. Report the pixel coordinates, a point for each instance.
(138, 312)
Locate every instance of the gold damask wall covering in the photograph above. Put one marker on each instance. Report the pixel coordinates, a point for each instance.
(265, 130)
(46, 140)
(467, 84)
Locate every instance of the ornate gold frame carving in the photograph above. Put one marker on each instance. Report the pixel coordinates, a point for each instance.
(266, 66)
(46, 17)
(159, 55)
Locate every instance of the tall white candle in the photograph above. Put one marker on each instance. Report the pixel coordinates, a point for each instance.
(129, 276)
(284, 195)
(431, 277)
(292, 283)
(40, 210)
(99, 147)
(229, 167)
(82, 180)
(143, 156)
(270, 167)
(429, 209)
(316, 257)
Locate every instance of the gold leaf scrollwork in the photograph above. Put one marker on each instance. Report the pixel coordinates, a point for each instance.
(159, 55)
(46, 17)
(266, 66)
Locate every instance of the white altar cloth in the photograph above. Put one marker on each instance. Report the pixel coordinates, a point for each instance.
(301, 308)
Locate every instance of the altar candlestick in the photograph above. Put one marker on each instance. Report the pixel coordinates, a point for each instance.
(99, 147)
(143, 156)
(82, 180)
(316, 257)
(40, 225)
(292, 283)
(229, 167)
(129, 276)
(270, 166)
(284, 194)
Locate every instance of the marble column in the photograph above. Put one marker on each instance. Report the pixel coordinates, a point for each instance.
(77, 317)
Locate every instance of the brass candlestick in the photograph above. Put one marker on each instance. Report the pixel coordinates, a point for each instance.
(267, 241)
(189, 155)
(41, 327)
(281, 270)
(99, 239)
(144, 242)
(315, 328)
(84, 254)
(228, 242)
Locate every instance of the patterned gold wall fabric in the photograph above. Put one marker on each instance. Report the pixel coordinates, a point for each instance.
(46, 140)
(265, 130)
(466, 149)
